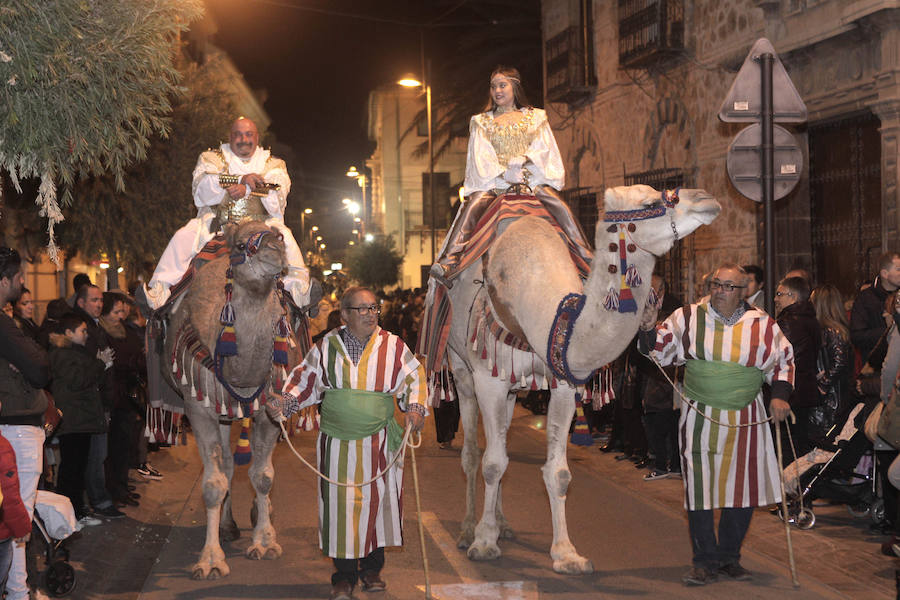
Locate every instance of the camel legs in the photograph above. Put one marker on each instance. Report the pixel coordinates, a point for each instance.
(228, 529)
(557, 477)
(211, 564)
(492, 395)
(468, 413)
(262, 442)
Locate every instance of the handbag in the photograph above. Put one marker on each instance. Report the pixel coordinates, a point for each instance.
(52, 415)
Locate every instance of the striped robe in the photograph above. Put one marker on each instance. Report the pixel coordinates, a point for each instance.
(355, 521)
(727, 467)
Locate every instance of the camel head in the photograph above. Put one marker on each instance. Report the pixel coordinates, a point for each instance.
(257, 254)
(660, 218)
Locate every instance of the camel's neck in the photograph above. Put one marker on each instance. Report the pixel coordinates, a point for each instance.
(601, 334)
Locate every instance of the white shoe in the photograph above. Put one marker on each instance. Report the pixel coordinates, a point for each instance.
(89, 521)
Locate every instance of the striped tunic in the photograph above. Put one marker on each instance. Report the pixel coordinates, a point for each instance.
(726, 467)
(355, 521)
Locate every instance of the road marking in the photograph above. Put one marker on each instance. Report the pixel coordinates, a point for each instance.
(457, 558)
(471, 588)
(500, 590)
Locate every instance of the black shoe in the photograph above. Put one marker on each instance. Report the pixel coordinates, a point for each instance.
(643, 463)
(341, 590)
(372, 582)
(606, 448)
(127, 501)
(110, 512)
(698, 576)
(736, 572)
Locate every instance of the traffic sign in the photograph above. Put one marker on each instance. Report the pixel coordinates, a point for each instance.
(743, 104)
(745, 165)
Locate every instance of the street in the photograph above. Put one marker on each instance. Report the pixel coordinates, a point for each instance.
(635, 533)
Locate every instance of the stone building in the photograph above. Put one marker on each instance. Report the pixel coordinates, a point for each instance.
(633, 89)
(400, 178)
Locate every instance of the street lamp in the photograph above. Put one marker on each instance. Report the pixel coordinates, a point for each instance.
(410, 81)
(361, 181)
(306, 211)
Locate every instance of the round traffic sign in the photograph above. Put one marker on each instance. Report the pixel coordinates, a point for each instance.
(744, 162)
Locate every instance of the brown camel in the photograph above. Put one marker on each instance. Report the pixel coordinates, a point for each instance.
(208, 403)
(526, 275)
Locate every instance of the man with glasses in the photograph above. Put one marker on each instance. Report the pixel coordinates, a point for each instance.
(797, 319)
(729, 349)
(24, 370)
(355, 372)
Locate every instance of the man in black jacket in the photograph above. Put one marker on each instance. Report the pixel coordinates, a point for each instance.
(24, 370)
(868, 318)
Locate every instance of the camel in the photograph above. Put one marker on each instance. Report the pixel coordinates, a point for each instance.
(209, 405)
(520, 284)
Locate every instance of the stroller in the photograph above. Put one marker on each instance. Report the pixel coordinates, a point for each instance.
(54, 520)
(842, 470)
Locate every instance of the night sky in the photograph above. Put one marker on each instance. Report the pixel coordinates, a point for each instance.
(317, 62)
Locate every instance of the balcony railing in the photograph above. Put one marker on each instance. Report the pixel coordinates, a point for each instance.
(570, 67)
(649, 30)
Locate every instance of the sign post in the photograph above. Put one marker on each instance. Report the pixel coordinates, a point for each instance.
(763, 93)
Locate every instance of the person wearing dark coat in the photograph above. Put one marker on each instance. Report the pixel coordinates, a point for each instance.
(77, 375)
(24, 371)
(797, 319)
(660, 411)
(124, 388)
(868, 318)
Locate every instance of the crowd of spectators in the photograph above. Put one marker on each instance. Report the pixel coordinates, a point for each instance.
(98, 370)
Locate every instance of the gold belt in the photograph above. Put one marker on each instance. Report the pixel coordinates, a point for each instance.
(244, 209)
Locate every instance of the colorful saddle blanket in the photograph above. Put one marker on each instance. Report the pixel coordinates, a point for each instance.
(435, 328)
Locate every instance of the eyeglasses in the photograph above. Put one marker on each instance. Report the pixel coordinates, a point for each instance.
(725, 287)
(779, 294)
(366, 309)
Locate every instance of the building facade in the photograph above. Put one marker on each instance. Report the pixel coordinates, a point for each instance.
(633, 89)
(400, 201)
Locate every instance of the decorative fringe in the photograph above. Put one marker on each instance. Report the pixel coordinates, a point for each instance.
(652, 297)
(632, 277)
(226, 345)
(581, 436)
(627, 303)
(280, 349)
(612, 299)
(243, 454)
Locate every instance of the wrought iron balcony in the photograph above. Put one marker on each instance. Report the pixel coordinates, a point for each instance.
(570, 66)
(649, 30)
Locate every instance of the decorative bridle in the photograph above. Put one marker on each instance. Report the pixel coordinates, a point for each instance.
(226, 343)
(621, 300)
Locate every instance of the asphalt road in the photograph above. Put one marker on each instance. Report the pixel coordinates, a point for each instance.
(635, 533)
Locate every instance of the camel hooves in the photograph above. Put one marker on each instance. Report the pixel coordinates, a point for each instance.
(465, 539)
(482, 551)
(217, 571)
(507, 533)
(573, 566)
(260, 552)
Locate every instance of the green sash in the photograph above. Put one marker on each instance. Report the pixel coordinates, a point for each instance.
(356, 414)
(721, 384)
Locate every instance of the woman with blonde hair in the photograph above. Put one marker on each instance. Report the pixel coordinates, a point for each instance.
(834, 360)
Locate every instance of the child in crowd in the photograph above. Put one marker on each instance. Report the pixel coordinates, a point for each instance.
(15, 525)
(76, 388)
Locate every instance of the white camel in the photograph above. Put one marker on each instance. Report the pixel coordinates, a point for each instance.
(519, 284)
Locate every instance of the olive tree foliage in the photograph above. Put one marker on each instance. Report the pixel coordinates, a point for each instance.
(375, 264)
(135, 224)
(84, 85)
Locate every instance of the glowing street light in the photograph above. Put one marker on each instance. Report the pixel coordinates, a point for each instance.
(303, 213)
(410, 81)
(369, 237)
(353, 208)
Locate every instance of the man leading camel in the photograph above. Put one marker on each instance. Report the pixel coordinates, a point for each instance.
(235, 181)
(728, 348)
(355, 372)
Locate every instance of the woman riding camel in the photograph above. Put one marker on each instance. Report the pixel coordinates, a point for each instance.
(511, 149)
